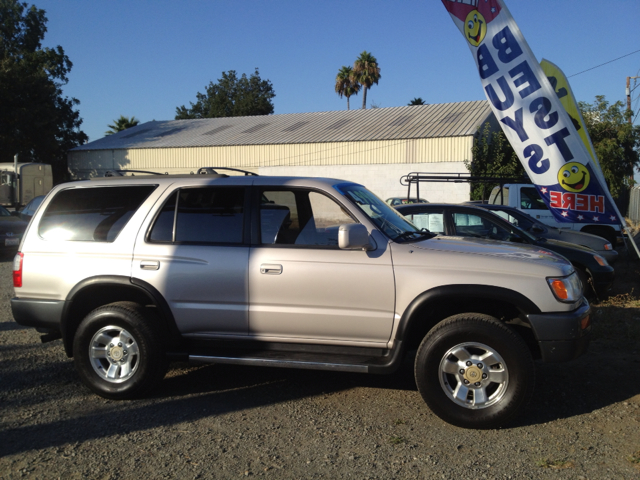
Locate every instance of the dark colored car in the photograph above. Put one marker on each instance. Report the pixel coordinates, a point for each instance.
(538, 229)
(470, 221)
(11, 231)
(395, 201)
(26, 212)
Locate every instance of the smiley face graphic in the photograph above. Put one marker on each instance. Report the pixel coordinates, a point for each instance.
(475, 28)
(573, 177)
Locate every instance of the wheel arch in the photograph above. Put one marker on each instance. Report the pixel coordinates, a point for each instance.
(94, 292)
(432, 306)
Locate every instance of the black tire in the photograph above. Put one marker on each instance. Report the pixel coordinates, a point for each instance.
(129, 357)
(507, 382)
(587, 284)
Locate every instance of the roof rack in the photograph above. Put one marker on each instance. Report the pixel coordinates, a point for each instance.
(213, 170)
(418, 177)
(121, 173)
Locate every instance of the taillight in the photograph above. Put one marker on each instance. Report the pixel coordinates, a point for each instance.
(17, 269)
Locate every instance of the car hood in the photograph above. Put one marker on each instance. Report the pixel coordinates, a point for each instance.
(12, 224)
(580, 238)
(492, 248)
(556, 245)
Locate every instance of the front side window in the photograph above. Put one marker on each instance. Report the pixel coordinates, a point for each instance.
(96, 214)
(530, 199)
(207, 215)
(300, 217)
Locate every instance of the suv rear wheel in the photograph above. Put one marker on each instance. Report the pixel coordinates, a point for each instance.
(474, 372)
(118, 352)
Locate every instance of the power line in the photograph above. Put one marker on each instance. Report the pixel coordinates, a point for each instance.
(602, 64)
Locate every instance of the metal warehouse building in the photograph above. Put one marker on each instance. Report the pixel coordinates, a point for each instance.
(374, 147)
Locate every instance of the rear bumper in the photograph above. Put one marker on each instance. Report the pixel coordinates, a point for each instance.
(562, 336)
(46, 314)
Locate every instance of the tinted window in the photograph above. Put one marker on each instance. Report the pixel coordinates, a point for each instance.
(91, 214)
(204, 215)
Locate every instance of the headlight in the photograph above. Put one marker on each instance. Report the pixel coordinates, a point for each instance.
(601, 261)
(566, 289)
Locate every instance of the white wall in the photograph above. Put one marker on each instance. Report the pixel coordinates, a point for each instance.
(384, 180)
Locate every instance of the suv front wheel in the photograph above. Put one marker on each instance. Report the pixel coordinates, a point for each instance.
(118, 352)
(474, 372)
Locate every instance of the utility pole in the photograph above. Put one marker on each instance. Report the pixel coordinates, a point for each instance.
(629, 95)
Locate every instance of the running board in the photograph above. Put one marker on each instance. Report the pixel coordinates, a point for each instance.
(282, 363)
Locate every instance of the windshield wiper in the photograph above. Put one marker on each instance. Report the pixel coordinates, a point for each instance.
(408, 234)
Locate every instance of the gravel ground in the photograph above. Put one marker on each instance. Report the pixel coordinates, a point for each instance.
(226, 422)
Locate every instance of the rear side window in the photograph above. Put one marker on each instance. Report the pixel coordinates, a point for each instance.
(91, 214)
(207, 215)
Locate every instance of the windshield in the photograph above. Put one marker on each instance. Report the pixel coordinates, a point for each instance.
(387, 219)
(4, 212)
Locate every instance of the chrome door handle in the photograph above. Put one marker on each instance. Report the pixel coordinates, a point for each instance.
(150, 265)
(270, 269)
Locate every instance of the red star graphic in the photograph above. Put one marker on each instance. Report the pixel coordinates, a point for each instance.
(565, 214)
(580, 217)
(596, 219)
(543, 190)
(612, 218)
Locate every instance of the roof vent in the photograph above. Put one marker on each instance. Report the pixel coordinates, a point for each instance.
(400, 121)
(338, 124)
(216, 130)
(170, 132)
(295, 126)
(135, 134)
(255, 128)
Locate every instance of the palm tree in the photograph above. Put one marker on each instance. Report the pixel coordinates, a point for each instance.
(345, 84)
(366, 72)
(122, 123)
(417, 101)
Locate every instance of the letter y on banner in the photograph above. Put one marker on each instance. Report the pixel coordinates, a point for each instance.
(531, 115)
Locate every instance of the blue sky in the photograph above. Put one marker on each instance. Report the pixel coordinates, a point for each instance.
(145, 58)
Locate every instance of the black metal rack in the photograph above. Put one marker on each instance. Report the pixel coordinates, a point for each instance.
(419, 177)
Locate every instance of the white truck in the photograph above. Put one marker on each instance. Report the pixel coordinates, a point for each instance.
(525, 197)
(21, 182)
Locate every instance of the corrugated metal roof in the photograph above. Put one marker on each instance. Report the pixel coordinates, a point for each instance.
(396, 123)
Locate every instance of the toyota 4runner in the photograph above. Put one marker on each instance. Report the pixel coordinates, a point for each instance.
(135, 271)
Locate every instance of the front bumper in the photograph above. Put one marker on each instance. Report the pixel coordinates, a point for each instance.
(562, 336)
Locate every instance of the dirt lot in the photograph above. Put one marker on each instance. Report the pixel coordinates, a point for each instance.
(228, 422)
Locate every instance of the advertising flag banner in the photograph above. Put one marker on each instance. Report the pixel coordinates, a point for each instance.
(532, 116)
(560, 84)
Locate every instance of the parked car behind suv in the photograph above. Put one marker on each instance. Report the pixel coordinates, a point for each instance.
(289, 272)
(11, 231)
(475, 222)
(538, 229)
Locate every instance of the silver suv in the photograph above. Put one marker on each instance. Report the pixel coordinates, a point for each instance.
(134, 271)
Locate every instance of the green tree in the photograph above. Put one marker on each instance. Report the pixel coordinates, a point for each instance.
(615, 140)
(232, 97)
(345, 84)
(417, 101)
(36, 121)
(492, 156)
(121, 124)
(366, 72)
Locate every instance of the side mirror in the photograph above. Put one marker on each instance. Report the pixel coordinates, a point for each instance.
(537, 229)
(354, 236)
